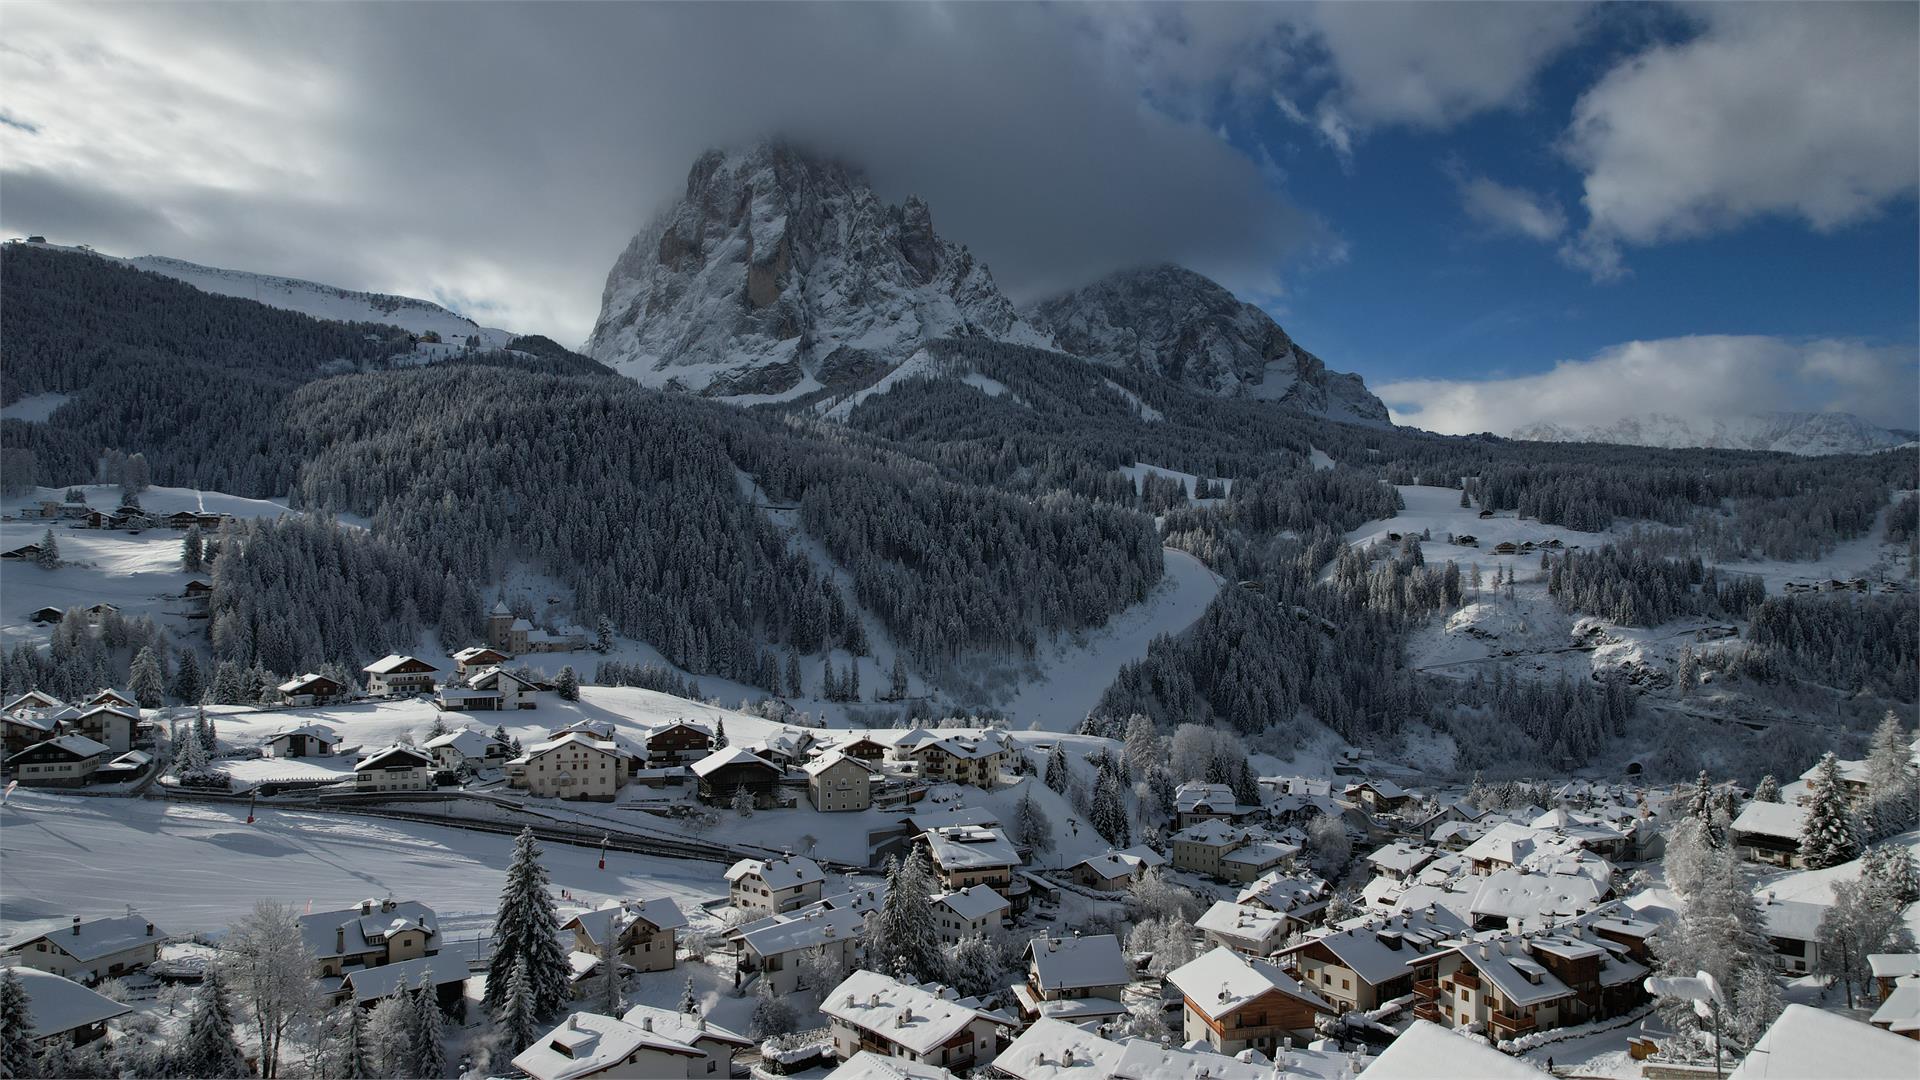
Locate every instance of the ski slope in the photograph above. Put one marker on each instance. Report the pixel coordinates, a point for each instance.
(1076, 670)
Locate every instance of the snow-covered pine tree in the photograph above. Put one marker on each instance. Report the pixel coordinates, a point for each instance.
(975, 967)
(353, 1055)
(1058, 776)
(1700, 800)
(689, 1002)
(390, 1034)
(429, 1032)
(209, 1048)
(49, 557)
(145, 681)
(1832, 834)
(771, 1014)
(186, 678)
(904, 930)
(524, 940)
(16, 1046)
(1109, 817)
(743, 801)
(1855, 927)
(1031, 828)
(1767, 790)
(720, 734)
(603, 635)
(193, 551)
(897, 685)
(1893, 782)
(567, 684)
(1890, 875)
(1757, 1002)
(515, 1020)
(794, 686)
(204, 731)
(610, 995)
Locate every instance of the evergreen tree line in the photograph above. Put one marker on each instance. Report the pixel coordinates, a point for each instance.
(1635, 588)
(1504, 724)
(1848, 641)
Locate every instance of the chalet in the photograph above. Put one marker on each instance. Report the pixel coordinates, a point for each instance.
(491, 690)
(307, 740)
(1899, 1010)
(1248, 930)
(963, 759)
(1076, 979)
(1793, 929)
(375, 933)
(1116, 870)
(46, 615)
(394, 675)
(446, 971)
(785, 748)
(1365, 966)
(966, 855)
(837, 783)
(1257, 856)
(1485, 514)
(723, 773)
(1890, 968)
(396, 768)
(131, 765)
(25, 551)
(1509, 985)
(1301, 898)
(864, 748)
(762, 887)
(1054, 1050)
(1853, 777)
(89, 949)
(469, 747)
(772, 948)
(642, 931)
(716, 1043)
(905, 745)
(894, 1019)
(1467, 540)
(111, 725)
(63, 1011)
(1233, 1003)
(311, 689)
(197, 590)
(21, 728)
(119, 699)
(1400, 860)
(62, 761)
(574, 766)
(1200, 848)
(963, 913)
(1195, 802)
(1523, 897)
(678, 743)
(478, 658)
(1770, 833)
(33, 699)
(609, 1048)
(98, 612)
(1378, 796)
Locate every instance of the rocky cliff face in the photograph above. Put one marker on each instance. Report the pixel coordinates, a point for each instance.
(779, 273)
(1175, 323)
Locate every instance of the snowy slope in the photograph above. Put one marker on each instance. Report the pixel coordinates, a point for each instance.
(1076, 671)
(778, 268)
(1804, 433)
(323, 301)
(34, 409)
(1169, 321)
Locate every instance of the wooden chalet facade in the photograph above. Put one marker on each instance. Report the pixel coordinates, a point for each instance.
(724, 772)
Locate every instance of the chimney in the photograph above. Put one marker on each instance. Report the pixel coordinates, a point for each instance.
(366, 907)
(149, 929)
(646, 1023)
(339, 939)
(76, 926)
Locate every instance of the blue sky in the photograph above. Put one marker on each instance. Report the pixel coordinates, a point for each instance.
(1498, 213)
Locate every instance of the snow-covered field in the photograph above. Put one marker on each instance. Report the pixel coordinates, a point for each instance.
(1140, 470)
(1077, 670)
(34, 409)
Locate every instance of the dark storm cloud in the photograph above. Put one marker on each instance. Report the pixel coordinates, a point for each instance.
(505, 153)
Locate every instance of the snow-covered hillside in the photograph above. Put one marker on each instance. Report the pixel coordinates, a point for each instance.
(780, 273)
(1169, 321)
(1806, 433)
(34, 408)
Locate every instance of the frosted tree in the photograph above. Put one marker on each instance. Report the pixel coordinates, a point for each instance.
(794, 686)
(209, 1048)
(1031, 827)
(1854, 928)
(1690, 856)
(353, 1055)
(1832, 833)
(1893, 782)
(603, 635)
(905, 938)
(897, 684)
(567, 684)
(1058, 776)
(822, 968)
(1719, 930)
(1331, 847)
(193, 551)
(1890, 876)
(743, 801)
(1767, 790)
(390, 1034)
(145, 680)
(270, 967)
(515, 1019)
(609, 995)
(524, 941)
(1700, 799)
(720, 734)
(1109, 816)
(689, 1002)
(429, 1032)
(190, 755)
(16, 1045)
(203, 730)
(1757, 1002)
(1142, 746)
(771, 1014)
(49, 557)
(974, 969)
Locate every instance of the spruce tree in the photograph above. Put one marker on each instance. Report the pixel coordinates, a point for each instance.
(1109, 816)
(209, 1048)
(16, 1046)
(145, 680)
(516, 1019)
(1890, 876)
(610, 994)
(1893, 783)
(193, 551)
(567, 684)
(1058, 775)
(1768, 790)
(689, 1002)
(524, 937)
(720, 734)
(897, 688)
(390, 1034)
(1831, 835)
(429, 1034)
(353, 1056)
(49, 557)
(905, 936)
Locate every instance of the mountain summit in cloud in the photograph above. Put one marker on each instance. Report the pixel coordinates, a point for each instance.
(1805, 433)
(780, 272)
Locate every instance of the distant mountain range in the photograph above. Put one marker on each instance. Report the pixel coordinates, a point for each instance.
(1805, 433)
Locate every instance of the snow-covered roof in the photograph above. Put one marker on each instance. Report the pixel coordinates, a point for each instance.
(682, 1027)
(1402, 858)
(1369, 949)
(973, 903)
(968, 847)
(929, 820)
(1281, 891)
(1805, 1042)
(1853, 771)
(867, 1065)
(490, 679)
(1894, 965)
(56, 1004)
(803, 930)
(901, 1013)
(778, 873)
(1257, 927)
(113, 710)
(587, 1043)
(1426, 1051)
(1213, 832)
(1222, 981)
(363, 925)
(1075, 963)
(1504, 962)
(312, 731)
(33, 699)
(732, 755)
(1900, 1012)
(1785, 821)
(473, 652)
(467, 742)
(298, 682)
(441, 968)
(396, 756)
(1795, 920)
(609, 921)
(1056, 1050)
(1260, 853)
(1194, 795)
(1111, 864)
(966, 748)
(1385, 788)
(574, 740)
(1507, 842)
(92, 939)
(1522, 894)
(78, 746)
(392, 661)
(831, 758)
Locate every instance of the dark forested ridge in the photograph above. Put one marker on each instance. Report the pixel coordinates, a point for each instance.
(969, 522)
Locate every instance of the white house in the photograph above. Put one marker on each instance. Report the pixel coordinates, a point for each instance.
(395, 675)
(976, 909)
(574, 766)
(307, 740)
(769, 887)
(90, 949)
(110, 724)
(836, 782)
(492, 690)
(773, 948)
(470, 747)
(62, 761)
(873, 1012)
(1233, 1003)
(396, 768)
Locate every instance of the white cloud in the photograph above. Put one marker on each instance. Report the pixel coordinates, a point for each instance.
(1805, 110)
(1507, 209)
(1696, 376)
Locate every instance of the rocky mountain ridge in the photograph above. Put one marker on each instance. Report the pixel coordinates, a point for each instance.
(1805, 433)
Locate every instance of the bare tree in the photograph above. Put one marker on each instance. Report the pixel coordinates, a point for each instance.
(271, 970)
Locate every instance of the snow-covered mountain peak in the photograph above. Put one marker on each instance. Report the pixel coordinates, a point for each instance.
(1170, 321)
(1805, 433)
(779, 272)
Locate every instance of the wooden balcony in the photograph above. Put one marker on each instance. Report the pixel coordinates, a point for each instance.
(1466, 979)
(1427, 1010)
(1427, 989)
(1511, 1025)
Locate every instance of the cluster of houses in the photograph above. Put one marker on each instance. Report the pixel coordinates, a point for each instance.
(46, 742)
(129, 518)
